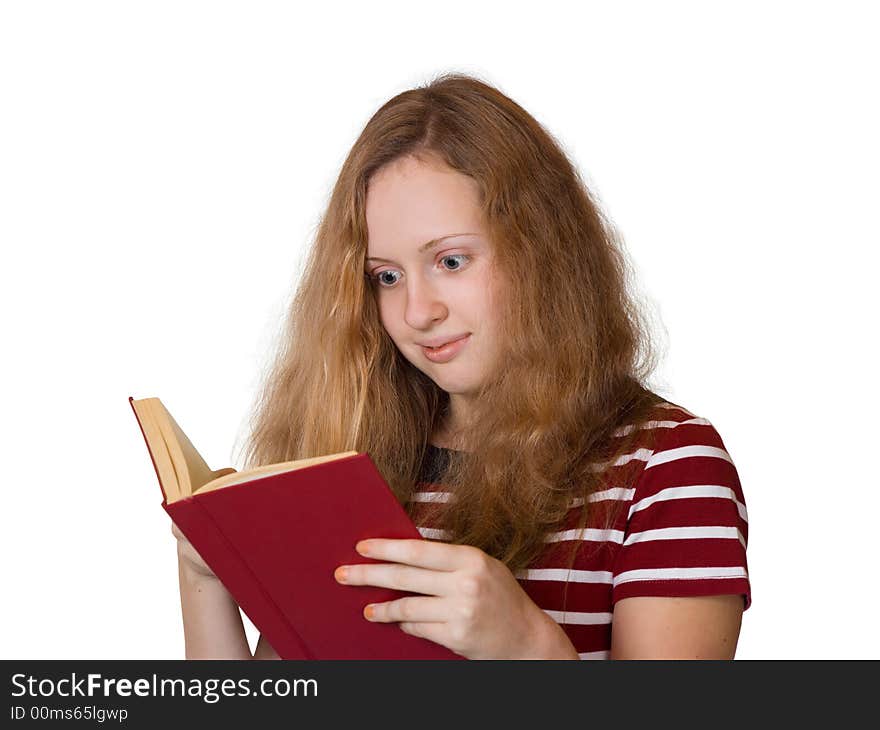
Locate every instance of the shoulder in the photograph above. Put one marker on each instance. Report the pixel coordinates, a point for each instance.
(669, 443)
(683, 427)
(686, 448)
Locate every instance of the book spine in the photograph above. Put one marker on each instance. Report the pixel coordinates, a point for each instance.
(221, 556)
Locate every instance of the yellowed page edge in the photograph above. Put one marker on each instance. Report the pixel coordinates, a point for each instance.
(157, 448)
(262, 471)
(198, 472)
(178, 460)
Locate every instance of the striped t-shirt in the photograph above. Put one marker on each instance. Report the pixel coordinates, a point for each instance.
(682, 530)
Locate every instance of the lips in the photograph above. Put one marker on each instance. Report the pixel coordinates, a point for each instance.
(437, 342)
(446, 351)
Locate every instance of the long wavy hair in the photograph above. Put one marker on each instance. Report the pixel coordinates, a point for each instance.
(578, 349)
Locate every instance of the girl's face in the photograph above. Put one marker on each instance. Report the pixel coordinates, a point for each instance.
(431, 265)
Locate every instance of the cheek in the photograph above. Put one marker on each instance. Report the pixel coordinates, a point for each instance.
(477, 302)
(389, 317)
(385, 310)
(491, 314)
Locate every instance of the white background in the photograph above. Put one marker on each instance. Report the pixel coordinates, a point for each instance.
(162, 169)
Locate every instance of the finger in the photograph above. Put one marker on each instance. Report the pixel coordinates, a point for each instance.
(398, 576)
(411, 608)
(438, 632)
(421, 553)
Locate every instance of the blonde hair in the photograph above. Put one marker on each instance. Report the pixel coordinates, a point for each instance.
(577, 349)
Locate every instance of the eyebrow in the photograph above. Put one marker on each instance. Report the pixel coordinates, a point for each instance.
(425, 247)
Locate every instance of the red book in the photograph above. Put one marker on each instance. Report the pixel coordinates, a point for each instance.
(273, 535)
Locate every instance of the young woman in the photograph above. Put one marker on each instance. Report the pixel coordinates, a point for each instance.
(464, 318)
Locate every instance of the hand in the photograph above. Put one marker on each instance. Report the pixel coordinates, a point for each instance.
(188, 556)
(473, 604)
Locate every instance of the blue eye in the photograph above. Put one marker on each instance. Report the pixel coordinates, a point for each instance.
(455, 256)
(384, 282)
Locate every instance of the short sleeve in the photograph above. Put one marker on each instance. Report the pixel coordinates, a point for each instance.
(687, 528)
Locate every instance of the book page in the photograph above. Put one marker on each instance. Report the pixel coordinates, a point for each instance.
(264, 471)
(194, 472)
(158, 449)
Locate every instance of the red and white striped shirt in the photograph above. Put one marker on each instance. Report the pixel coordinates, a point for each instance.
(682, 531)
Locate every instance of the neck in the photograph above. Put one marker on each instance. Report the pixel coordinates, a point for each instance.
(446, 435)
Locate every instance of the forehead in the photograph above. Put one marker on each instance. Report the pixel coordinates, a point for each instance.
(410, 201)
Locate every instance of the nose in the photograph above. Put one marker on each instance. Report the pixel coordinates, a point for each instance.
(423, 305)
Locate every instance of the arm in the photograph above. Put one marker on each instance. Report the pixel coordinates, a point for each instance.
(681, 573)
(212, 624)
(264, 650)
(702, 627)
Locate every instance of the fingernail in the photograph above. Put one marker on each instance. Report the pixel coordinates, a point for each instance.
(362, 547)
(341, 574)
(368, 612)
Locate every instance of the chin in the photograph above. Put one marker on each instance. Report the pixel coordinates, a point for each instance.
(456, 388)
